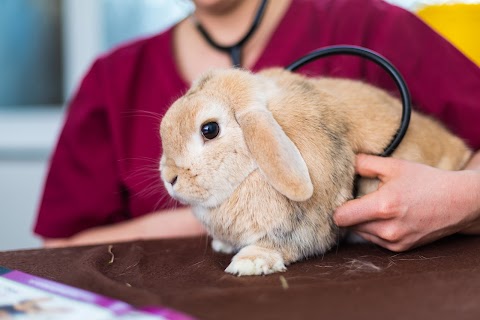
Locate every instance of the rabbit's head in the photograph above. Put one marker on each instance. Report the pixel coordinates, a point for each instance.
(221, 131)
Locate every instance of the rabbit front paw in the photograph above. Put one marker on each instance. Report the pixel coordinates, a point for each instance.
(254, 260)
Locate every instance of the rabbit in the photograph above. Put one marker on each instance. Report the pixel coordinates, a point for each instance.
(265, 158)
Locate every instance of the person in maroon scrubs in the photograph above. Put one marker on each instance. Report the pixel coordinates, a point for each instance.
(103, 184)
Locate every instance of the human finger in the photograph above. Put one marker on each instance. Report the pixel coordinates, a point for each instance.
(400, 246)
(374, 166)
(372, 238)
(387, 230)
(361, 210)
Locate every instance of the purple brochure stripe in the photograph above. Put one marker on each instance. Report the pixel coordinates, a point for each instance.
(117, 307)
(166, 313)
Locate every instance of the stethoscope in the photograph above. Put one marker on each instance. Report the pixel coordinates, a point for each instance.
(235, 52)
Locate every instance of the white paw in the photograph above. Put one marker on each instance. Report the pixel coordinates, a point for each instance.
(246, 264)
(220, 246)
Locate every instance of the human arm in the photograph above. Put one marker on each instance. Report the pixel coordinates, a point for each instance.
(473, 164)
(162, 224)
(415, 204)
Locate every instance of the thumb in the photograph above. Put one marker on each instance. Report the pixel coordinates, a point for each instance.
(375, 166)
(357, 211)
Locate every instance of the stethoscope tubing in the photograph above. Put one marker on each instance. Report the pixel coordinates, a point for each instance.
(382, 62)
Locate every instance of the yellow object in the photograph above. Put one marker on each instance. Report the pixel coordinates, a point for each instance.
(459, 23)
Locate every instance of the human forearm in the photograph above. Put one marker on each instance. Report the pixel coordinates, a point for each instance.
(167, 224)
(474, 164)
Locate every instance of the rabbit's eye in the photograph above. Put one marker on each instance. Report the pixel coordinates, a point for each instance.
(210, 130)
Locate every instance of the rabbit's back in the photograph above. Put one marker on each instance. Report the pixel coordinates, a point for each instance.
(369, 118)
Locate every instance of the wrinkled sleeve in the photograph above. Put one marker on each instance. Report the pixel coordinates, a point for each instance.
(82, 189)
(443, 82)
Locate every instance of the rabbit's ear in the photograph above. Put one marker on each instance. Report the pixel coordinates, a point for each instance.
(276, 155)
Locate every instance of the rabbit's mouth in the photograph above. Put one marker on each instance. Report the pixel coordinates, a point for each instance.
(192, 197)
(183, 198)
(202, 198)
(180, 199)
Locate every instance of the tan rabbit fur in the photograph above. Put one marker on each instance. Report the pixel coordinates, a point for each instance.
(283, 161)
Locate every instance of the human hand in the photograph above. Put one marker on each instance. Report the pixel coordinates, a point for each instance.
(415, 204)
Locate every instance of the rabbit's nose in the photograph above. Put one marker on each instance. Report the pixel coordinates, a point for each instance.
(173, 181)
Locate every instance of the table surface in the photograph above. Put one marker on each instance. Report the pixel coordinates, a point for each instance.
(352, 281)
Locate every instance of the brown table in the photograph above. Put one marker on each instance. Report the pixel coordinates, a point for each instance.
(437, 281)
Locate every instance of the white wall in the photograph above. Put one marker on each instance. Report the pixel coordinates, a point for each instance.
(28, 134)
(19, 188)
(26, 140)
(82, 39)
